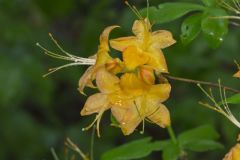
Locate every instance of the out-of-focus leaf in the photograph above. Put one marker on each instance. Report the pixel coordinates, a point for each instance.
(214, 27)
(167, 12)
(134, 150)
(209, 2)
(203, 145)
(235, 99)
(205, 132)
(171, 151)
(191, 27)
(114, 122)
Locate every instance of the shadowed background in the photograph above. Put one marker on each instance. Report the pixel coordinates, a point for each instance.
(39, 113)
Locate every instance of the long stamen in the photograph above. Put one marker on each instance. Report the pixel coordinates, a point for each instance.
(96, 120)
(226, 112)
(148, 9)
(142, 118)
(133, 10)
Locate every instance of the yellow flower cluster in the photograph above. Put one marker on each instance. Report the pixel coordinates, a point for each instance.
(130, 86)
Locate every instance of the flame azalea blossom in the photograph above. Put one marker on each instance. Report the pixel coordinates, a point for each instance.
(133, 97)
(146, 43)
(130, 112)
(98, 103)
(102, 58)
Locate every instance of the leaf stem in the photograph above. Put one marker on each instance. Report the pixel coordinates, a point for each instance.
(172, 134)
(202, 82)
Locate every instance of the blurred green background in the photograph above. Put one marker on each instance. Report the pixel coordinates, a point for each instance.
(39, 113)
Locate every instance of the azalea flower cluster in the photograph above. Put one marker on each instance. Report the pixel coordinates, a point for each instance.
(131, 86)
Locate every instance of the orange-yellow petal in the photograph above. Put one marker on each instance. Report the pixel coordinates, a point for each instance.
(157, 60)
(132, 85)
(162, 39)
(95, 104)
(237, 74)
(106, 81)
(134, 57)
(159, 115)
(114, 66)
(159, 92)
(128, 118)
(122, 43)
(234, 153)
(103, 48)
(141, 28)
(147, 74)
(86, 79)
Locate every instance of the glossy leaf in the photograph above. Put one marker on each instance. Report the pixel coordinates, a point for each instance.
(205, 132)
(213, 27)
(134, 150)
(203, 145)
(190, 28)
(235, 99)
(167, 12)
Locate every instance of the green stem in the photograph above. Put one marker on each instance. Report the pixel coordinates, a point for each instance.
(172, 134)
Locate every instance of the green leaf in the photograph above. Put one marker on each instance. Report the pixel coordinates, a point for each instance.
(205, 132)
(171, 151)
(235, 99)
(167, 12)
(190, 28)
(214, 28)
(209, 2)
(134, 150)
(203, 145)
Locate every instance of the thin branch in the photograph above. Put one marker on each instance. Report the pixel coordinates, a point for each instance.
(201, 82)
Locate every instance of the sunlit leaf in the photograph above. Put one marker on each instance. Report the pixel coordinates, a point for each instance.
(235, 99)
(167, 12)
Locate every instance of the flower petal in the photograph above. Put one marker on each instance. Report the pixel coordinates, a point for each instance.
(134, 57)
(237, 74)
(95, 104)
(103, 48)
(234, 153)
(159, 114)
(162, 39)
(122, 43)
(132, 85)
(106, 81)
(86, 79)
(159, 92)
(128, 118)
(157, 60)
(141, 28)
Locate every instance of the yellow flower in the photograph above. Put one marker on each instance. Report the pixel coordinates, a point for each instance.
(102, 58)
(130, 112)
(145, 43)
(234, 153)
(98, 103)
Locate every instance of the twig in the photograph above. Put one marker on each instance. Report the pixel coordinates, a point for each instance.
(201, 82)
